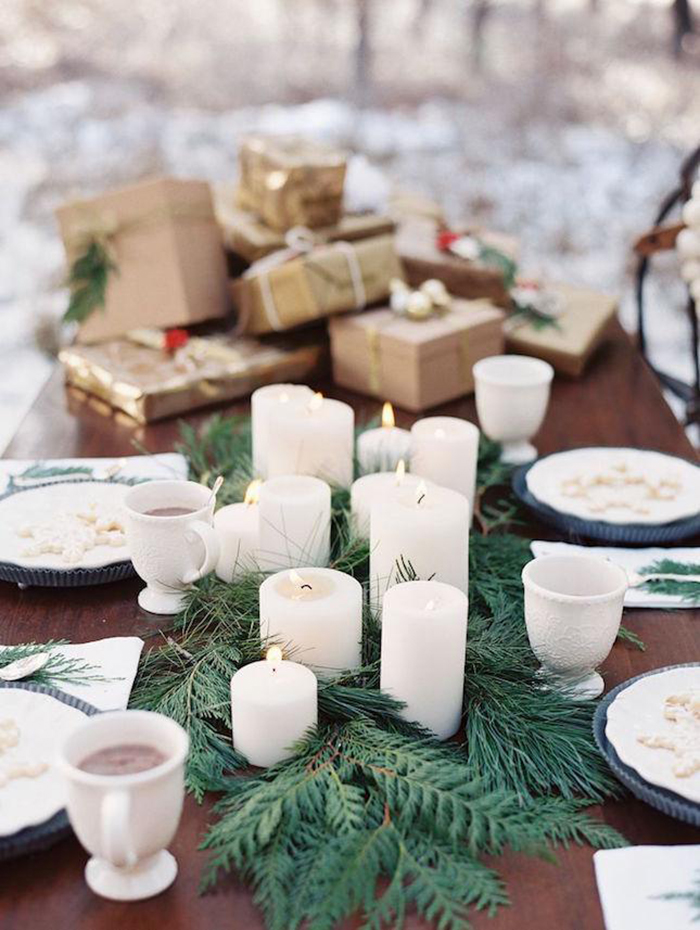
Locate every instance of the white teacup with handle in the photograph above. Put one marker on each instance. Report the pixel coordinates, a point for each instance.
(171, 540)
(126, 820)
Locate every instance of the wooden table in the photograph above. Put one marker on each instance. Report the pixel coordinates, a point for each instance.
(617, 403)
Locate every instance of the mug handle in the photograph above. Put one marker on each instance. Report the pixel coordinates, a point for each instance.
(114, 819)
(211, 550)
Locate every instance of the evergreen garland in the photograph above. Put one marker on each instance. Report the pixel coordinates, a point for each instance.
(372, 814)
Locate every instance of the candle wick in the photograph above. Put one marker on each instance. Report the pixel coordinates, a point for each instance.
(307, 586)
(420, 499)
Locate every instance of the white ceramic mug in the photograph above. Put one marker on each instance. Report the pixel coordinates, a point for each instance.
(573, 609)
(126, 821)
(512, 394)
(169, 553)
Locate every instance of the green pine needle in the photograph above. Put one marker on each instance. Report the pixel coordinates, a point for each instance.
(88, 279)
(59, 670)
(687, 590)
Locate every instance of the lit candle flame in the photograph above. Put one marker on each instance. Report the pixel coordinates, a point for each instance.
(284, 398)
(440, 433)
(299, 583)
(388, 418)
(252, 493)
(430, 605)
(421, 491)
(400, 472)
(315, 402)
(274, 657)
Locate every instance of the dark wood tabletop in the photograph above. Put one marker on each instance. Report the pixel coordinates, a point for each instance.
(617, 402)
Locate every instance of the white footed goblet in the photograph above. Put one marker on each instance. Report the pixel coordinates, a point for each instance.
(573, 609)
(126, 820)
(171, 540)
(512, 393)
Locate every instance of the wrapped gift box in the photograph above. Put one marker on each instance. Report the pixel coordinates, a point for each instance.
(291, 181)
(416, 244)
(415, 364)
(166, 246)
(405, 206)
(149, 383)
(275, 295)
(248, 237)
(580, 328)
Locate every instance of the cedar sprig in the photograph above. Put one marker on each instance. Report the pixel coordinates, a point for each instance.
(88, 279)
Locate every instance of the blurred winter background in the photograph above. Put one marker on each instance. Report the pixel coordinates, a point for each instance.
(563, 121)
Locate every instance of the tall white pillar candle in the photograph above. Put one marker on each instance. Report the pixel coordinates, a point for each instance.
(316, 439)
(446, 450)
(425, 529)
(237, 527)
(295, 523)
(262, 403)
(273, 704)
(316, 613)
(424, 642)
(381, 449)
(369, 489)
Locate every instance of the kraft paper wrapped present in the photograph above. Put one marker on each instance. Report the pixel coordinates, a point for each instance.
(291, 181)
(248, 237)
(415, 364)
(138, 376)
(579, 329)
(165, 250)
(292, 288)
(417, 245)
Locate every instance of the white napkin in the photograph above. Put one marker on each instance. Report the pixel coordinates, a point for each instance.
(161, 465)
(115, 658)
(630, 560)
(630, 881)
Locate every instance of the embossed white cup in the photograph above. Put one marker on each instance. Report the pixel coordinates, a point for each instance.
(573, 609)
(126, 821)
(512, 394)
(169, 553)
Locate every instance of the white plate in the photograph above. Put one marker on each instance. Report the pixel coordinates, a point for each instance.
(546, 481)
(638, 711)
(43, 723)
(38, 504)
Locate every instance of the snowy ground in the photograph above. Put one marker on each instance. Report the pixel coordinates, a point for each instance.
(572, 157)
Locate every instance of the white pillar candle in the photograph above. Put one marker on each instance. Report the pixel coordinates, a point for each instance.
(381, 449)
(317, 615)
(273, 704)
(238, 530)
(423, 528)
(446, 450)
(424, 642)
(295, 523)
(316, 439)
(262, 403)
(369, 489)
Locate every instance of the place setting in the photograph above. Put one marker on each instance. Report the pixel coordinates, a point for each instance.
(362, 688)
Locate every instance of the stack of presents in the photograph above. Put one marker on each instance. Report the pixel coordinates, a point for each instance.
(186, 294)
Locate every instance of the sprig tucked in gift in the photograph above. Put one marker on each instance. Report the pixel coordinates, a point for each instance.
(474, 249)
(87, 279)
(430, 299)
(535, 304)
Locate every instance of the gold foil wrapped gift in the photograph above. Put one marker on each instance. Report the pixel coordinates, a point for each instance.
(166, 248)
(417, 246)
(291, 181)
(415, 364)
(148, 383)
(246, 235)
(579, 328)
(304, 283)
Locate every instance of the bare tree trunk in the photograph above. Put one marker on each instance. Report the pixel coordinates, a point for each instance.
(479, 15)
(363, 54)
(682, 24)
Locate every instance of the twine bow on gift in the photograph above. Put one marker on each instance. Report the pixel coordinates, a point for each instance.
(298, 241)
(92, 240)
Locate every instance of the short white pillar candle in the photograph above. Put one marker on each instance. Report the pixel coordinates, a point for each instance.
(273, 704)
(425, 529)
(316, 439)
(262, 403)
(317, 615)
(237, 527)
(369, 489)
(295, 523)
(424, 642)
(381, 449)
(446, 450)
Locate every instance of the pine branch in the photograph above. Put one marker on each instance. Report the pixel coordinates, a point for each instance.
(88, 279)
(688, 590)
(60, 669)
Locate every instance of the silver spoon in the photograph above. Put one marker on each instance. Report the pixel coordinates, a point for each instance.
(214, 491)
(635, 579)
(23, 668)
